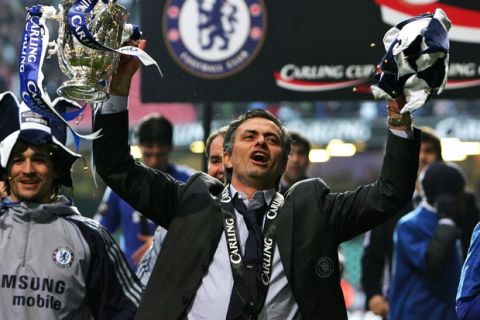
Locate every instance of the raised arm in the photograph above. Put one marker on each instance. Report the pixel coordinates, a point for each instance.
(353, 213)
(149, 191)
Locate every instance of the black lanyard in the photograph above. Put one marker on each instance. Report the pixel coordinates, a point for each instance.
(235, 256)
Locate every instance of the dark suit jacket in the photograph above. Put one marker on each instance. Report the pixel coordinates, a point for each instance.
(310, 225)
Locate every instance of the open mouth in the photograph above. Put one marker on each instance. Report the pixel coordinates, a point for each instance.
(259, 158)
(29, 182)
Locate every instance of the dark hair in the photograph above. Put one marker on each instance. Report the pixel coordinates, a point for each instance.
(60, 166)
(299, 139)
(442, 178)
(219, 132)
(255, 113)
(155, 129)
(430, 136)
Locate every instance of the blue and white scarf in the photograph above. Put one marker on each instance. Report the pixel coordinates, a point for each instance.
(416, 61)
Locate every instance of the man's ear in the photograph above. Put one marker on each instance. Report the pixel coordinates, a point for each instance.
(3, 182)
(227, 160)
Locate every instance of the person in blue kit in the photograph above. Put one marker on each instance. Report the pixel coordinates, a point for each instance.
(378, 245)
(468, 295)
(427, 261)
(155, 140)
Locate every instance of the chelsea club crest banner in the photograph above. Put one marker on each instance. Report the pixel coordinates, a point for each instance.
(259, 50)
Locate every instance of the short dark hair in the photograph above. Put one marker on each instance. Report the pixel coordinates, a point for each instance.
(60, 167)
(255, 113)
(155, 129)
(440, 178)
(430, 136)
(299, 139)
(219, 132)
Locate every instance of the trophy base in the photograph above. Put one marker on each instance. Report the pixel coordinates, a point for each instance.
(81, 91)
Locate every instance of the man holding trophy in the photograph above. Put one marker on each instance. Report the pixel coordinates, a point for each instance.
(216, 262)
(193, 276)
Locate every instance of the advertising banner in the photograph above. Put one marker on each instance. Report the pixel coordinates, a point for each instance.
(256, 50)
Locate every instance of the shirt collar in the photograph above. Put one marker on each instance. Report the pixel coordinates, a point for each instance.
(256, 200)
(428, 206)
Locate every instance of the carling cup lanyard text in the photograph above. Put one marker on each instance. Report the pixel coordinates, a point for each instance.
(32, 53)
(233, 247)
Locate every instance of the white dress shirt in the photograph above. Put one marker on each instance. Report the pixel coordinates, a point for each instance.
(213, 296)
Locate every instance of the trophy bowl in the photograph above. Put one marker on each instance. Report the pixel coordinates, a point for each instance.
(88, 69)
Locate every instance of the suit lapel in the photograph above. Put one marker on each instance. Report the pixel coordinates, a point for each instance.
(217, 223)
(284, 234)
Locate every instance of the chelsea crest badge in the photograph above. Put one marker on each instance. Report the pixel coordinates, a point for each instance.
(214, 39)
(63, 257)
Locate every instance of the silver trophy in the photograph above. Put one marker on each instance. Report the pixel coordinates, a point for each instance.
(89, 69)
